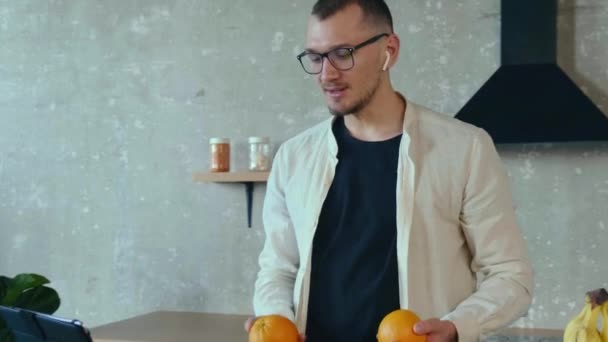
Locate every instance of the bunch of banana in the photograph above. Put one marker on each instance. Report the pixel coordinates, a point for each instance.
(604, 333)
(583, 328)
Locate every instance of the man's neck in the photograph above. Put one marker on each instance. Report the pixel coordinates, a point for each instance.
(381, 120)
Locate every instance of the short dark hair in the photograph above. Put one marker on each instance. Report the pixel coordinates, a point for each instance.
(376, 11)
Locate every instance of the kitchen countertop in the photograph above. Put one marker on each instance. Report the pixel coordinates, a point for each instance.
(526, 335)
(170, 326)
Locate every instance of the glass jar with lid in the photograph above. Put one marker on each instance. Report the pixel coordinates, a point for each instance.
(259, 154)
(219, 149)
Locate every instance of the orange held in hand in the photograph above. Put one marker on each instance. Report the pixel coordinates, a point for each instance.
(398, 326)
(273, 328)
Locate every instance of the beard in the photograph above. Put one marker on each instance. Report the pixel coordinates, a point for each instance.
(360, 104)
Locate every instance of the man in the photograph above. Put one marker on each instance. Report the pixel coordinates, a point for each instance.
(387, 204)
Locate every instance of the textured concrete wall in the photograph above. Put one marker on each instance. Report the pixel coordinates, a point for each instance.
(106, 108)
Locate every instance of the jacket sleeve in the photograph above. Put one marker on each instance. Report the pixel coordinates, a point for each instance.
(279, 259)
(499, 253)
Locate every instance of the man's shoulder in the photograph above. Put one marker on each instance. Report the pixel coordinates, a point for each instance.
(445, 128)
(431, 119)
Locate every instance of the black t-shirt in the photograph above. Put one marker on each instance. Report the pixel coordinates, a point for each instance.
(354, 280)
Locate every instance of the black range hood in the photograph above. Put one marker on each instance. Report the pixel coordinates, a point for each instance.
(530, 98)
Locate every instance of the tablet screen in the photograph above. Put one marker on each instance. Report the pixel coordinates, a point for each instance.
(30, 326)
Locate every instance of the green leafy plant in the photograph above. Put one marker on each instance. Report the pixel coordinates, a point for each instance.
(26, 291)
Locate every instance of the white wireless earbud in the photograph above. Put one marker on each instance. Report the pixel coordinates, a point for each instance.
(388, 58)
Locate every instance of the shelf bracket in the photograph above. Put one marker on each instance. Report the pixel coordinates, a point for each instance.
(249, 194)
(248, 178)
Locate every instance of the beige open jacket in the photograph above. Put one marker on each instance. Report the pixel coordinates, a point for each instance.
(460, 253)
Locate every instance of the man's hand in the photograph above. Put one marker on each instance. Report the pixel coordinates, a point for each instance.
(249, 324)
(437, 330)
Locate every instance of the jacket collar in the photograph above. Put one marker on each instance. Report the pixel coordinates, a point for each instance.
(409, 119)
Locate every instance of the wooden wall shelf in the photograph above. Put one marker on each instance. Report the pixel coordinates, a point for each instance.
(231, 177)
(249, 178)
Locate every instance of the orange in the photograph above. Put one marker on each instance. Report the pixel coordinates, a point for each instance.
(273, 328)
(398, 326)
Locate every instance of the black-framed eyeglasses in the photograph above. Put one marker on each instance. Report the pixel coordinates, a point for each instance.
(341, 58)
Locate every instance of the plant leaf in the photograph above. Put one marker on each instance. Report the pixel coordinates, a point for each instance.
(20, 284)
(6, 336)
(5, 333)
(26, 281)
(4, 283)
(40, 299)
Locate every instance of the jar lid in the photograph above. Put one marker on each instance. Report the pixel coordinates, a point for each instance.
(254, 140)
(219, 141)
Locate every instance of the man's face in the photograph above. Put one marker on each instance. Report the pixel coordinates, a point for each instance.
(351, 90)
